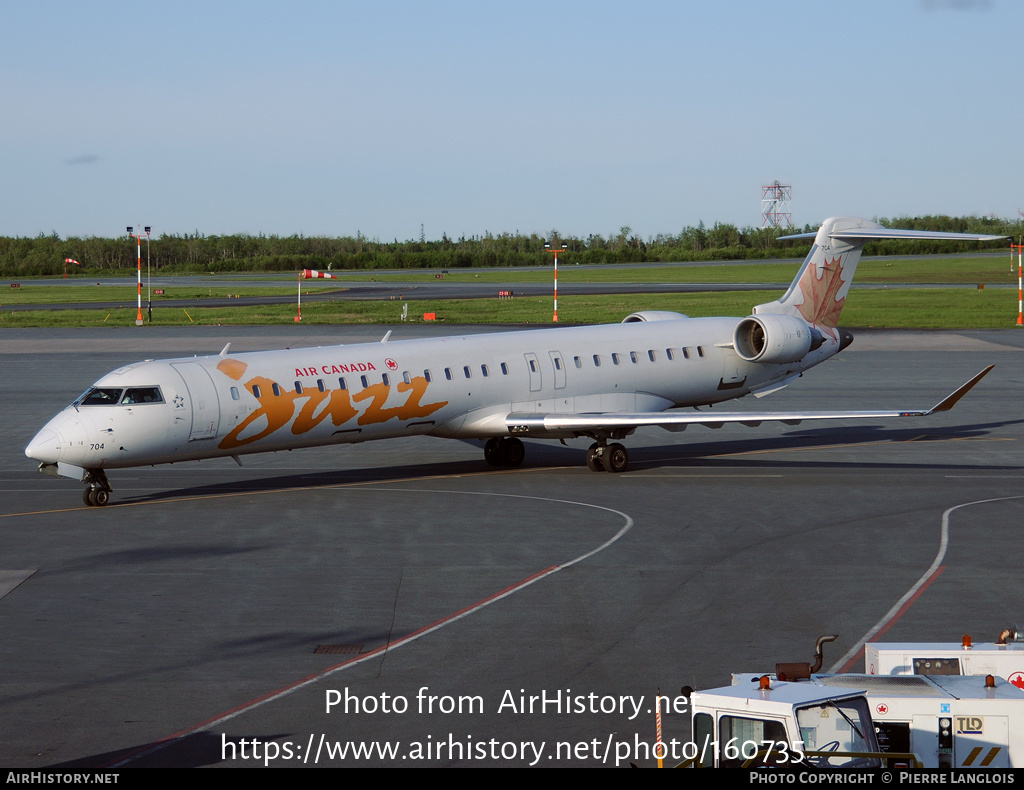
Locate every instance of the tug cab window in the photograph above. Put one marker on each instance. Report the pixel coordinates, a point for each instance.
(142, 395)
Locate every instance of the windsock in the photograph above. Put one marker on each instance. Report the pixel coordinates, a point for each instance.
(313, 274)
(72, 260)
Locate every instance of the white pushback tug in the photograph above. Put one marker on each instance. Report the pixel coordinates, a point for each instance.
(796, 716)
(1004, 657)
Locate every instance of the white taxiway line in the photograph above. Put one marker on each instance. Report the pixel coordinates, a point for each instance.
(408, 638)
(903, 604)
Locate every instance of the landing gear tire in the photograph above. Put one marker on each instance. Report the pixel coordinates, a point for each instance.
(507, 451)
(97, 488)
(594, 458)
(492, 452)
(95, 497)
(615, 458)
(512, 452)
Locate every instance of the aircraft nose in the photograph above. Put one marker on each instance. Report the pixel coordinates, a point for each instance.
(45, 446)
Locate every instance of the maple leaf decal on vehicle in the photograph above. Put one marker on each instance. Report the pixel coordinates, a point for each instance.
(820, 306)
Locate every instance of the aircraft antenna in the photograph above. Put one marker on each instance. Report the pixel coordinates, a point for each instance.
(775, 205)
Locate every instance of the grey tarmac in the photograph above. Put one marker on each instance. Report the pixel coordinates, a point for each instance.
(180, 625)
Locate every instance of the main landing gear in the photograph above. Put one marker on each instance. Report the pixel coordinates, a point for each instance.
(506, 451)
(98, 490)
(603, 457)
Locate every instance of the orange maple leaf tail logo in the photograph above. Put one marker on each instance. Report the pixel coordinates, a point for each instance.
(820, 306)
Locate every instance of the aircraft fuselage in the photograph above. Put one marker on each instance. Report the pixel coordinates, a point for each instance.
(454, 387)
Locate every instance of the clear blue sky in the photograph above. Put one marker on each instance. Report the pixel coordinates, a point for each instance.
(328, 118)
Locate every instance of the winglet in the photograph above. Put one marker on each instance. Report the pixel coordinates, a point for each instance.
(950, 400)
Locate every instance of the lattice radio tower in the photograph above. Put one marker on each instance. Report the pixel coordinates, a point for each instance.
(775, 205)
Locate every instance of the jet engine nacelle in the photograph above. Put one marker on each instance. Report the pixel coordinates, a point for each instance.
(647, 316)
(774, 338)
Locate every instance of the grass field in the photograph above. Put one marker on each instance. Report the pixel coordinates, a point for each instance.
(931, 308)
(942, 270)
(922, 308)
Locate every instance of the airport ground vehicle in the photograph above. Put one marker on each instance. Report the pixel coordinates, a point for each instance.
(943, 720)
(1004, 657)
(783, 723)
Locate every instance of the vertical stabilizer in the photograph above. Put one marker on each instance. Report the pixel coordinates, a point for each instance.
(818, 292)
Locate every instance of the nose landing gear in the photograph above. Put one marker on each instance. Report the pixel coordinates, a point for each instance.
(98, 490)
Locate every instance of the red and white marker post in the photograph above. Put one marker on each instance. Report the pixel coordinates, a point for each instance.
(310, 274)
(138, 239)
(658, 747)
(556, 250)
(1020, 281)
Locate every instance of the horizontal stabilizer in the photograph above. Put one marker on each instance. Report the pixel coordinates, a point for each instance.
(871, 234)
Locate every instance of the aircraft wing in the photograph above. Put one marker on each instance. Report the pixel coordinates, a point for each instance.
(622, 423)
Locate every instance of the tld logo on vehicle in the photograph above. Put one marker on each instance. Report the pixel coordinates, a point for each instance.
(970, 725)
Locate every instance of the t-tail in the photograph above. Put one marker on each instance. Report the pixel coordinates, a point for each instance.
(818, 292)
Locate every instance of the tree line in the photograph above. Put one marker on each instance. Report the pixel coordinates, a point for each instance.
(44, 255)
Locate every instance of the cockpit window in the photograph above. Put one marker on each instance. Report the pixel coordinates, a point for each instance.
(100, 396)
(142, 395)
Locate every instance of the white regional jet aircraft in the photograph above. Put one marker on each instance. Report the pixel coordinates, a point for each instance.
(602, 382)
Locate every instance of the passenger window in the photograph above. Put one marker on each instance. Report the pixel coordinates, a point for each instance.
(504, 369)
(343, 384)
(465, 369)
(597, 360)
(578, 361)
(234, 393)
(670, 353)
(298, 387)
(483, 369)
(700, 351)
(558, 363)
(448, 373)
(320, 385)
(651, 356)
(386, 379)
(533, 366)
(615, 359)
(633, 357)
(277, 389)
(406, 377)
(427, 376)
(363, 380)
(256, 390)
(686, 353)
